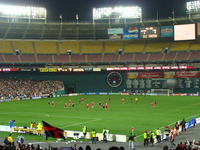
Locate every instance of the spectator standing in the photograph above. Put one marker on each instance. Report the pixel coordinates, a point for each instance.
(167, 132)
(177, 128)
(20, 139)
(10, 140)
(194, 121)
(93, 136)
(104, 134)
(172, 139)
(145, 138)
(152, 138)
(11, 125)
(84, 132)
(131, 139)
(158, 135)
(183, 122)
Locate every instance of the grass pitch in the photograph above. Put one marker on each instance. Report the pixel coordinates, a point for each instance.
(118, 119)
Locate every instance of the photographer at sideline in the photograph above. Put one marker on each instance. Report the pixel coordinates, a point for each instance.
(11, 125)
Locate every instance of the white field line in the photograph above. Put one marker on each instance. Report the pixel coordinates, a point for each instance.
(81, 123)
(168, 124)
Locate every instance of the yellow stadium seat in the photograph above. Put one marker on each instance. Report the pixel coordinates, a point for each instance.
(24, 47)
(45, 47)
(134, 47)
(64, 46)
(195, 45)
(91, 47)
(180, 46)
(5, 47)
(112, 47)
(156, 47)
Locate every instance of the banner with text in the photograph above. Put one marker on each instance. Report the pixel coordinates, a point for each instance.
(167, 31)
(131, 33)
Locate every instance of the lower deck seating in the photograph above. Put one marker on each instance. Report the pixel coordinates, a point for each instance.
(155, 57)
(195, 56)
(28, 58)
(169, 56)
(111, 58)
(182, 56)
(140, 57)
(12, 58)
(94, 58)
(44, 58)
(126, 57)
(78, 58)
(61, 58)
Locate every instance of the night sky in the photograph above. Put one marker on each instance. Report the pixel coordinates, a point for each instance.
(69, 8)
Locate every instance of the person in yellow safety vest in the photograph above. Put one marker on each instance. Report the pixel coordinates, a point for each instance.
(136, 99)
(39, 126)
(145, 138)
(152, 138)
(84, 132)
(158, 135)
(31, 125)
(10, 140)
(104, 135)
(93, 136)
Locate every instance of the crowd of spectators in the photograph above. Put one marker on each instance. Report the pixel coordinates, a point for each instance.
(15, 88)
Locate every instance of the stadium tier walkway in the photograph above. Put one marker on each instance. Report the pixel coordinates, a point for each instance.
(190, 134)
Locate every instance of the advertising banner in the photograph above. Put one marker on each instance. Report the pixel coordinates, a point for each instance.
(149, 32)
(44, 69)
(14, 99)
(133, 75)
(53, 69)
(115, 36)
(182, 74)
(114, 93)
(115, 31)
(167, 31)
(37, 97)
(131, 33)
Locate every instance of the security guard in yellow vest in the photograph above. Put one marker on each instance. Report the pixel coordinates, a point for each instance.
(93, 136)
(104, 134)
(152, 138)
(158, 135)
(84, 132)
(145, 138)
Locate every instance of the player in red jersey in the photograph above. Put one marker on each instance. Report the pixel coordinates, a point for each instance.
(65, 106)
(106, 106)
(92, 104)
(87, 106)
(122, 101)
(52, 103)
(152, 105)
(82, 99)
(70, 101)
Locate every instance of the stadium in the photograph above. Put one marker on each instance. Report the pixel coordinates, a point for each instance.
(114, 57)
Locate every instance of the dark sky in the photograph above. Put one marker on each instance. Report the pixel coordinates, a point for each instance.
(69, 8)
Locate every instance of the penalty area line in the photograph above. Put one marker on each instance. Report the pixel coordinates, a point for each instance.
(81, 123)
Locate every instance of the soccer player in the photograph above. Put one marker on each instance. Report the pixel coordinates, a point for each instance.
(79, 101)
(52, 103)
(105, 101)
(49, 103)
(99, 103)
(122, 101)
(65, 106)
(155, 103)
(103, 106)
(131, 100)
(136, 99)
(70, 101)
(109, 100)
(106, 106)
(87, 106)
(73, 105)
(92, 104)
(82, 100)
(152, 105)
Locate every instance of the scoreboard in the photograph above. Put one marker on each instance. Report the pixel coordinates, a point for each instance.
(149, 32)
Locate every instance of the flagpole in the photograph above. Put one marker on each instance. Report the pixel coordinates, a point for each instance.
(173, 13)
(61, 18)
(157, 15)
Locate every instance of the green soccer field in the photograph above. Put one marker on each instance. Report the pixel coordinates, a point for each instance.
(118, 119)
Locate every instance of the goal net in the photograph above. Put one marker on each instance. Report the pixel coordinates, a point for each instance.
(160, 92)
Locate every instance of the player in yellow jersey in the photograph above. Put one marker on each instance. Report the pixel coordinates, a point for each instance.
(136, 99)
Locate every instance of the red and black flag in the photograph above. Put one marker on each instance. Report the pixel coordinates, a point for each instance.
(52, 131)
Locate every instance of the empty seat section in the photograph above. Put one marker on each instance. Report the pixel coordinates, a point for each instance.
(77, 58)
(61, 58)
(195, 45)
(24, 47)
(112, 47)
(12, 58)
(91, 47)
(180, 46)
(134, 47)
(111, 58)
(44, 58)
(169, 56)
(94, 58)
(182, 56)
(45, 47)
(126, 57)
(1, 59)
(140, 57)
(64, 46)
(28, 58)
(155, 57)
(5, 47)
(195, 56)
(156, 47)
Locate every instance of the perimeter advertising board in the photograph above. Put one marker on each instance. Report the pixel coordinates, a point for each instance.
(131, 33)
(149, 32)
(115, 33)
(167, 31)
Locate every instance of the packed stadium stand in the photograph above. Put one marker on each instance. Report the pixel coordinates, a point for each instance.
(64, 46)
(140, 57)
(24, 47)
(180, 46)
(94, 58)
(156, 46)
(155, 57)
(110, 58)
(182, 56)
(61, 58)
(91, 47)
(45, 47)
(169, 56)
(126, 58)
(134, 46)
(28, 58)
(112, 47)
(5, 47)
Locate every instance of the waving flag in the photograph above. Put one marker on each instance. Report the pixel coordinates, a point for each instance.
(52, 131)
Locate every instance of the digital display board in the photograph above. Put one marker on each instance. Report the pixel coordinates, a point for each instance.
(198, 28)
(184, 32)
(149, 32)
